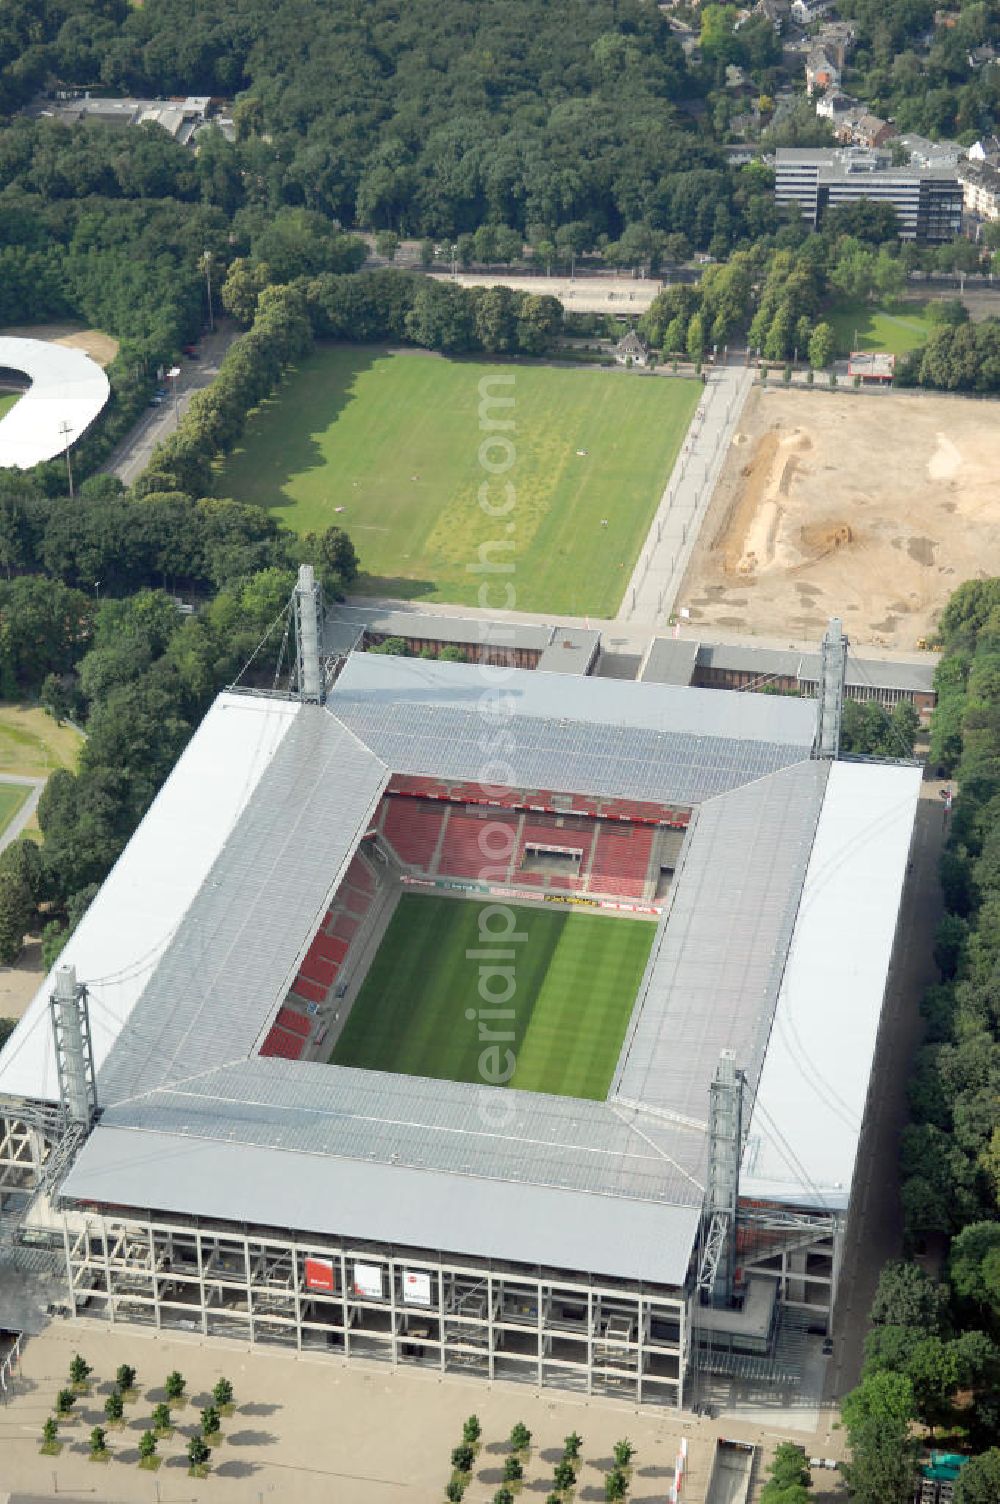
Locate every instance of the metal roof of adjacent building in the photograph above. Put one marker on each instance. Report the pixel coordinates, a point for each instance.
(67, 392)
(563, 649)
(668, 659)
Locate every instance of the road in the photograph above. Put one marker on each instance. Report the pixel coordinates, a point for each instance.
(651, 592)
(131, 457)
(27, 809)
(875, 1229)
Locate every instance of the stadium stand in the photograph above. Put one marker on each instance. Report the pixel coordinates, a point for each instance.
(412, 828)
(283, 1044)
(621, 860)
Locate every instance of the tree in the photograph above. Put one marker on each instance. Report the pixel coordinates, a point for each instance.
(789, 1476)
(696, 338)
(222, 1394)
(975, 1264)
(65, 1400)
(387, 243)
(503, 1496)
(821, 345)
(513, 1469)
(462, 1458)
(114, 1406)
(877, 1416)
(17, 912)
(615, 1485)
(125, 1378)
(198, 1453)
(50, 1434)
(979, 1480)
(147, 1446)
(471, 1430)
(572, 1445)
(933, 1370)
(160, 1419)
(624, 1451)
(211, 1422)
(520, 1437)
(564, 1475)
(906, 1296)
(98, 1443)
(79, 1371)
(174, 1387)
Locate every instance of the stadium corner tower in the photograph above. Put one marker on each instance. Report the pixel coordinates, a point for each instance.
(177, 1126)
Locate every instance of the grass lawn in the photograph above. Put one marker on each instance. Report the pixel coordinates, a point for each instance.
(12, 796)
(894, 328)
(394, 440)
(31, 743)
(7, 400)
(576, 977)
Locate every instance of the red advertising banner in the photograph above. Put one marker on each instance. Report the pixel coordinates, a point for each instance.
(319, 1275)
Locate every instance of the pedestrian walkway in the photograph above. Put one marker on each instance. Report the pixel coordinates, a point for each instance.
(24, 814)
(656, 579)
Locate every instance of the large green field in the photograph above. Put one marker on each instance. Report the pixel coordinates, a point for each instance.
(575, 979)
(389, 447)
(894, 328)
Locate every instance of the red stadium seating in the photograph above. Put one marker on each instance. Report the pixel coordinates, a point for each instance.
(283, 1045)
(621, 858)
(314, 969)
(461, 854)
(293, 1022)
(412, 828)
(313, 992)
(472, 847)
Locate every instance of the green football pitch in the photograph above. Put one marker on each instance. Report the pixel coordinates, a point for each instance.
(390, 447)
(575, 980)
(7, 400)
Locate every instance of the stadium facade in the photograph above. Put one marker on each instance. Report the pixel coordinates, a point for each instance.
(168, 1089)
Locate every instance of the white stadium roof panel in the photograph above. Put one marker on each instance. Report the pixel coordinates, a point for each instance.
(67, 392)
(132, 921)
(806, 1123)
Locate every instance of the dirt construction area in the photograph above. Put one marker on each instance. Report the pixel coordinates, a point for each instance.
(871, 508)
(100, 347)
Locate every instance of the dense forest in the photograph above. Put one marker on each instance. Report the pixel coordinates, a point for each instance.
(932, 1355)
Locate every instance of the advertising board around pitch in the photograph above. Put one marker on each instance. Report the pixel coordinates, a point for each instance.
(320, 1275)
(416, 1287)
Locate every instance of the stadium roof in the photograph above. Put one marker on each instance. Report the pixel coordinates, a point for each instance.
(806, 1124)
(610, 738)
(189, 948)
(67, 392)
(564, 650)
(676, 661)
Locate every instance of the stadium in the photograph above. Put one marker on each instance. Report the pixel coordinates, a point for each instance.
(489, 1020)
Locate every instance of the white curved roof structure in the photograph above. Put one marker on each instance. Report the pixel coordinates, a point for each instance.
(67, 392)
